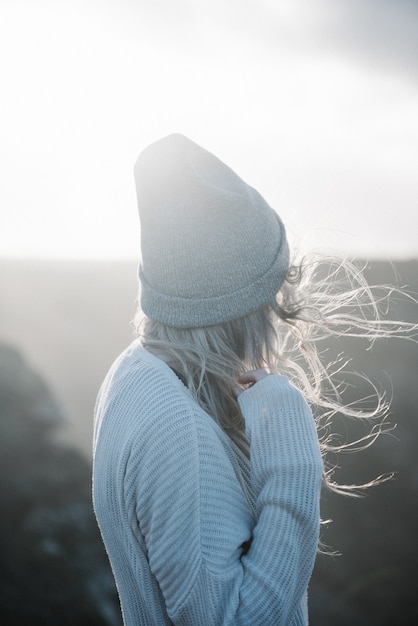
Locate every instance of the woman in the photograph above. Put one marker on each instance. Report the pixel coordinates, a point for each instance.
(207, 465)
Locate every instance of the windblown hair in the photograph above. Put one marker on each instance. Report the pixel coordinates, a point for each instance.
(321, 297)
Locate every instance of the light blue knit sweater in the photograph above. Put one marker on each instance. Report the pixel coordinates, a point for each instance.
(175, 500)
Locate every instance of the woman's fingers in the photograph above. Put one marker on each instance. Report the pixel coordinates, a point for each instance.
(252, 377)
(248, 379)
(237, 391)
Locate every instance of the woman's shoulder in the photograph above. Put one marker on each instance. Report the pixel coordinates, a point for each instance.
(137, 370)
(142, 393)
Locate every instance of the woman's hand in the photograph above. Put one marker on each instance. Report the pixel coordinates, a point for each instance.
(248, 379)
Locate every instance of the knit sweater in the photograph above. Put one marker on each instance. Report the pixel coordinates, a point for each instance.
(176, 500)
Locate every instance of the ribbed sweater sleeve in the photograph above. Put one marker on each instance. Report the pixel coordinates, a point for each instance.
(194, 517)
(286, 473)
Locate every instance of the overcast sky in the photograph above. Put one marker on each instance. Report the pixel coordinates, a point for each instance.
(313, 102)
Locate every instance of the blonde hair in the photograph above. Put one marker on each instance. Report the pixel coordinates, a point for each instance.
(321, 297)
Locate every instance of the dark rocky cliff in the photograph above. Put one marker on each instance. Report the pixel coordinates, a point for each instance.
(53, 567)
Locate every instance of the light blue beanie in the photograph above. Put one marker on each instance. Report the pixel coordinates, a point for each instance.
(212, 248)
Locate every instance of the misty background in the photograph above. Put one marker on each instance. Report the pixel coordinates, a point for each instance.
(313, 102)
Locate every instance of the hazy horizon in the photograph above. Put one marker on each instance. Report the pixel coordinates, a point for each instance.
(71, 319)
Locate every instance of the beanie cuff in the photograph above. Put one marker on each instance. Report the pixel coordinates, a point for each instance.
(193, 312)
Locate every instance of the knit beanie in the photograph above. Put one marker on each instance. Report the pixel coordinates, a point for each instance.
(212, 248)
